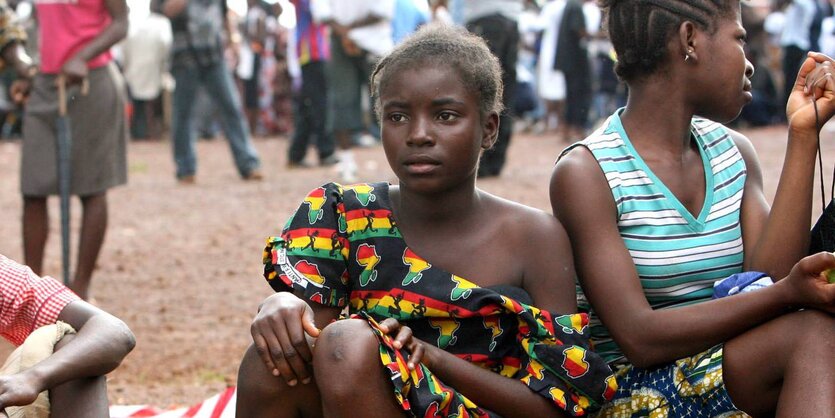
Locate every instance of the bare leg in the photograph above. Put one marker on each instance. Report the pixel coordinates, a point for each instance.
(348, 368)
(93, 227)
(784, 367)
(260, 394)
(79, 398)
(35, 231)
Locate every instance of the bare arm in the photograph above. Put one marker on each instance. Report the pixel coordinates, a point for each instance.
(504, 396)
(98, 348)
(15, 56)
(279, 333)
(102, 342)
(171, 8)
(548, 277)
(75, 69)
(775, 241)
(649, 337)
(342, 30)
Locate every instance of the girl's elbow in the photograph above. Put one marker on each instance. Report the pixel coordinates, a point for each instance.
(639, 354)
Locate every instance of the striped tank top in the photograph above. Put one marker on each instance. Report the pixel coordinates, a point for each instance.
(678, 256)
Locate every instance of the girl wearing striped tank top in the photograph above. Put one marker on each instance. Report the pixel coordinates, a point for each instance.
(660, 203)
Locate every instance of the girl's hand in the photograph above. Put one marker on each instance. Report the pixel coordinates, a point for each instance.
(815, 81)
(74, 70)
(809, 285)
(419, 351)
(18, 389)
(280, 331)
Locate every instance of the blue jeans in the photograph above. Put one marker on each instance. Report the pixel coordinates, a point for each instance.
(219, 85)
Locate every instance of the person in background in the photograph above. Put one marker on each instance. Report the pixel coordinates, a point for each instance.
(795, 38)
(144, 61)
(65, 348)
(572, 59)
(79, 36)
(310, 52)
(276, 81)
(251, 56)
(551, 81)
(198, 60)
(360, 34)
(482, 326)
(495, 21)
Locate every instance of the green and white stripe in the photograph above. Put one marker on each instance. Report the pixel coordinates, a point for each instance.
(678, 256)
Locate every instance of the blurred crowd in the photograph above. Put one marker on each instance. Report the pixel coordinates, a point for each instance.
(300, 69)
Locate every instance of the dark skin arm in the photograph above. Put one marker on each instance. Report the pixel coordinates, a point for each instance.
(549, 278)
(342, 30)
(776, 239)
(15, 56)
(75, 69)
(651, 337)
(98, 348)
(279, 332)
(171, 8)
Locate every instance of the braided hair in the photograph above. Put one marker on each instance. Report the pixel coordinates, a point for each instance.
(464, 52)
(640, 29)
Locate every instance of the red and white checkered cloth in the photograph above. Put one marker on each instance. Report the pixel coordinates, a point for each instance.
(28, 302)
(218, 406)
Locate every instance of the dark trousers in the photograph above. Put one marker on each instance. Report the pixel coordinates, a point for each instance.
(502, 36)
(578, 92)
(311, 109)
(139, 120)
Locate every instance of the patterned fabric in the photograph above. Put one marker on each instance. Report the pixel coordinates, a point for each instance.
(343, 248)
(678, 256)
(10, 29)
(689, 388)
(312, 42)
(28, 302)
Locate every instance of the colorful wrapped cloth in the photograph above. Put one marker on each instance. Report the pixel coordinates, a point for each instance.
(342, 248)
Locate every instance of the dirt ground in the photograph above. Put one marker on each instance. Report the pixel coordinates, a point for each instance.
(182, 264)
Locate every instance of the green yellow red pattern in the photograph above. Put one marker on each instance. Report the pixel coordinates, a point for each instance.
(342, 248)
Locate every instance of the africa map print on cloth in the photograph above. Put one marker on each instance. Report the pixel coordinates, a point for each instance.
(342, 248)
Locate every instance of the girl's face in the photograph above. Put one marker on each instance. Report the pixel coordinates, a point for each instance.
(432, 128)
(726, 84)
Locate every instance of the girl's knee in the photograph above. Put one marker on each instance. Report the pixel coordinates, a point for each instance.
(260, 393)
(344, 343)
(348, 349)
(815, 328)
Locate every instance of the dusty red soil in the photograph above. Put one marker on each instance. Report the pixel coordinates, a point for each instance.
(182, 264)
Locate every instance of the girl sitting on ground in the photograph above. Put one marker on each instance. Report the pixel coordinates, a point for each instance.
(679, 204)
(473, 317)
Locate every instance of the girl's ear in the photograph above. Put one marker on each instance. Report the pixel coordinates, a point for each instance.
(687, 34)
(490, 130)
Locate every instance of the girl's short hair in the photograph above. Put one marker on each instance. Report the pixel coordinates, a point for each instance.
(436, 44)
(640, 29)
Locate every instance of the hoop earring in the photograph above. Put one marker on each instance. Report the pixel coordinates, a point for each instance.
(686, 57)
